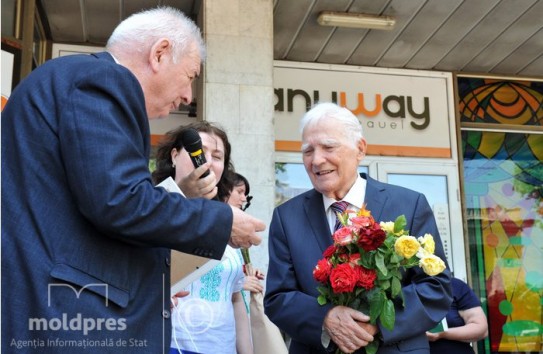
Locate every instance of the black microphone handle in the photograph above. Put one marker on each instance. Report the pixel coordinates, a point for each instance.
(193, 144)
(198, 159)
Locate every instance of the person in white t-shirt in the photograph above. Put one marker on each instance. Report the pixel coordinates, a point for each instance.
(211, 313)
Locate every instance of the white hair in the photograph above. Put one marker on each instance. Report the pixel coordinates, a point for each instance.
(140, 31)
(327, 110)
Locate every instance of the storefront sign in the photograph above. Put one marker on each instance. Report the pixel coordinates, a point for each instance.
(403, 112)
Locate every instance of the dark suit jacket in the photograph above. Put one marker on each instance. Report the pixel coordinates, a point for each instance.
(85, 235)
(299, 233)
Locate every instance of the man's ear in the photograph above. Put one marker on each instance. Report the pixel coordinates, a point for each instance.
(159, 52)
(362, 148)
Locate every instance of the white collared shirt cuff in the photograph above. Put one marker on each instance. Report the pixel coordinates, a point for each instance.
(325, 338)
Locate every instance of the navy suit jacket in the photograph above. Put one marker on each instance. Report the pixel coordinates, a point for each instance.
(299, 234)
(85, 234)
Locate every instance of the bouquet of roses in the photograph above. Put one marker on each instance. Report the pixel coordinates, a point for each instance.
(362, 269)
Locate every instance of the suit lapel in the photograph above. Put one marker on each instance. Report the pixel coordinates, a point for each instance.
(316, 218)
(375, 198)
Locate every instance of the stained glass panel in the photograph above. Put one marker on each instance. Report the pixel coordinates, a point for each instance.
(503, 175)
(496, 101)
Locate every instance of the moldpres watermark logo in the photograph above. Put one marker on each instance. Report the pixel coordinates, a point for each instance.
(78, 323)
(69, 331)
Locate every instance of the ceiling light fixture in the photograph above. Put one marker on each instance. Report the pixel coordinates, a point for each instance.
(356, 20)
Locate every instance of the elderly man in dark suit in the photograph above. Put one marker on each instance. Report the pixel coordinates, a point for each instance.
(85, 234)
(333, 146)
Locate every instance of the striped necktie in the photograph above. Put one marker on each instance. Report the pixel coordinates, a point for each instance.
(338, 207)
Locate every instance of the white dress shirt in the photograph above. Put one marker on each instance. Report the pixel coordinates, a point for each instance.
(355, 198)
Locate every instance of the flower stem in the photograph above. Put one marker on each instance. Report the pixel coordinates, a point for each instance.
(247, 260)
(245, 254)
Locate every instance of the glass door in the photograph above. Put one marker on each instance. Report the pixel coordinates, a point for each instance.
(439, 182)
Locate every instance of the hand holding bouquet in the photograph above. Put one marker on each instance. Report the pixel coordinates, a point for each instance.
(362, 269)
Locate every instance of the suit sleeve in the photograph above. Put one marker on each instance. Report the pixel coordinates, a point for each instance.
(292, 309)
(104, 142)
(427, 298)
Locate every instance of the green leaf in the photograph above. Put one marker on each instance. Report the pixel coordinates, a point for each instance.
(396, 258)
(396, 286)
(380, 263)
(403, 299)
(381, 277)
(365, 262)
(388, 315)
(400, 224)
(390, 241)
(372, 347)
(324, 291)
(376, 305)
(412, 262)
(343, 218)
(384, 285)
(322, 300)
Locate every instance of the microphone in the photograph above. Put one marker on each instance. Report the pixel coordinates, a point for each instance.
(193, 144)
(248, 203)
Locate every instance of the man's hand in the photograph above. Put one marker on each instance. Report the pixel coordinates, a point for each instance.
(193, 186)
(244, 229)
(349, 328)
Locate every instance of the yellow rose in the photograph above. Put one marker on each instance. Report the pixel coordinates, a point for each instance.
(406, 246)
(387, 226)
(428, 243)
(432, 265)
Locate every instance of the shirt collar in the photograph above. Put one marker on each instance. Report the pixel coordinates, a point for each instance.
(355, 196)
(113, 56)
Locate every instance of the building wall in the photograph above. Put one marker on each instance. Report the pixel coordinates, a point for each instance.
(237, 93)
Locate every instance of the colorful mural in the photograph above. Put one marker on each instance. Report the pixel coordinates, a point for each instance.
(503, 186)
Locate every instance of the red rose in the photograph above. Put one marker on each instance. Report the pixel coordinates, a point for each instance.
(329, 252)
(371, 238)
(366, 277)
(322, 271)
(343, 278)
(343, 236)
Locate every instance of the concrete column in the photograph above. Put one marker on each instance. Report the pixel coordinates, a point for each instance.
(237, 93)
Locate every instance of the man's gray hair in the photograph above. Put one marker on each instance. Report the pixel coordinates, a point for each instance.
(327, 110)
(138, 32)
